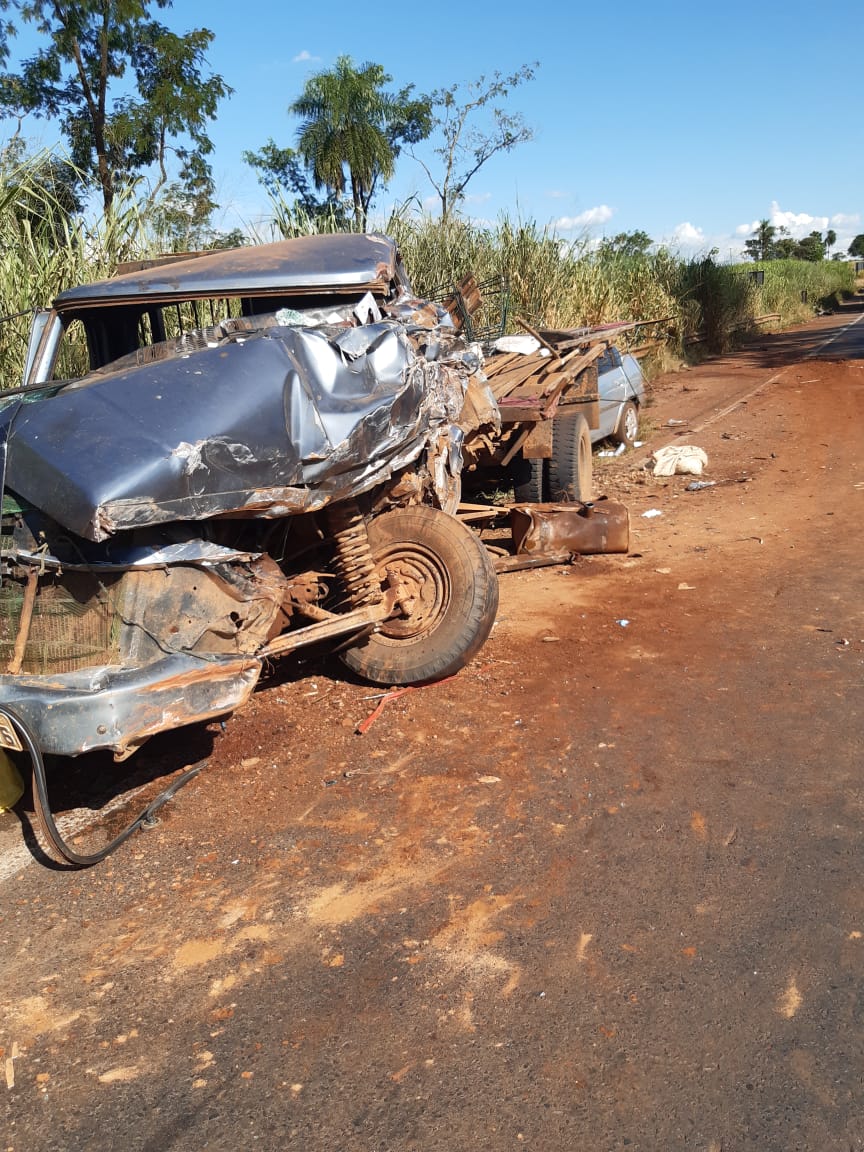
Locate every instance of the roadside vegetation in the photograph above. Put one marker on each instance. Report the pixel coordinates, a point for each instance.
(695, 304)
(137, 182)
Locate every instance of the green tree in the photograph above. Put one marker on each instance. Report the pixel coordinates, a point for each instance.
(762, 245)
(284, 171)
(466, 146)
(351, 123)
(180, 217)
(856, 248)
(627, 244)
(81, 76)
(786, 246)
(830, 240)
(811, 248)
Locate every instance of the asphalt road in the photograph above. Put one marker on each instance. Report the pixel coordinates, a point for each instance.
(602, 891)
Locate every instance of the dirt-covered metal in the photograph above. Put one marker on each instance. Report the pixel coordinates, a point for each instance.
(194, 497)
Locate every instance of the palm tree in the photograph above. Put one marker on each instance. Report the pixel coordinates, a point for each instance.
(345, 120)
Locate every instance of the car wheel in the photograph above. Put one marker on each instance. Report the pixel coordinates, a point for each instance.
(571, 466)
(449, 597)
(627, 429)
(530, 480)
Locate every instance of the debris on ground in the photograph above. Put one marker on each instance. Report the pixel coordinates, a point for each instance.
(684, 459)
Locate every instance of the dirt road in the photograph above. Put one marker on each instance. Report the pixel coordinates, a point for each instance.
(602, 890)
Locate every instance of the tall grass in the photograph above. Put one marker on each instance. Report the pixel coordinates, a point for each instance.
(552, 282)
(794, 287)
(560, 284)
(44, 250)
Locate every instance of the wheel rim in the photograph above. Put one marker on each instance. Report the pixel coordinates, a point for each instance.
(631, 424)
(424, 590)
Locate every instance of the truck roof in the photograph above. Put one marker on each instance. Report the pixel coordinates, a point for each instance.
(343, 262)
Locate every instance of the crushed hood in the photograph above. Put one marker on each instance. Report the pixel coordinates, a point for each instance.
(275, 422)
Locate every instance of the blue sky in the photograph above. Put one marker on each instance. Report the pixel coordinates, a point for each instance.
(690, 121)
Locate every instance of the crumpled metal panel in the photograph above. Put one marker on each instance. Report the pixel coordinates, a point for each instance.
(133, 556)
(277, 422)
(117, 708)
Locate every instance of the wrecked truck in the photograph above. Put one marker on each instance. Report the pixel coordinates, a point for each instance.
(216, 461)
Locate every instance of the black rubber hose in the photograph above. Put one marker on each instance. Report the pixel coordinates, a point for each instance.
(43, 808)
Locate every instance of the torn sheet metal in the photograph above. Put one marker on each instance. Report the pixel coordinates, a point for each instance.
(153, 551)
(119, 708)
(583, 529)
(281, 421)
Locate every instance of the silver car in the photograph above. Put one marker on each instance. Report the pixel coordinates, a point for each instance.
(621, 388)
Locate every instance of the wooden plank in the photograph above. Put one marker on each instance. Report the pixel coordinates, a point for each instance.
(536, 388)
(527, 366)
(520, 413)
(537, 336)
(498, 366)
(470, 293)
(503, 388)
(500, 361)
(514, 447)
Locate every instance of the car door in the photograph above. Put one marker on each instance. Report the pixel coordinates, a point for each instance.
(613, 388)
(635, 380)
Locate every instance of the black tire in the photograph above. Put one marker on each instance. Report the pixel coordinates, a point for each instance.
(450, 575)
(530, 480)
(627, 430)
(571, 466)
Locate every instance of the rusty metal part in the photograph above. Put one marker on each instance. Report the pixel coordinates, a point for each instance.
(353, 559)
(553, 529)
(325, 630)
(520, 563)
(315, 612)
(17, 659)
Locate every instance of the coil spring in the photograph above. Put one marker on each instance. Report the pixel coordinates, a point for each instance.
(353, 559)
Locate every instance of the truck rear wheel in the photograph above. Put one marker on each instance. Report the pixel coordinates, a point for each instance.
(530, 480)
(571, 467)
(448, 598)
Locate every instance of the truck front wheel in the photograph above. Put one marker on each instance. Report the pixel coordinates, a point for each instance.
(447, 598)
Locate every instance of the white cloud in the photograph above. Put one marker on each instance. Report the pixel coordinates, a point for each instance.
(799, 224)
(687, 235)
(478, 197)
(304, 57)
(588, 219)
